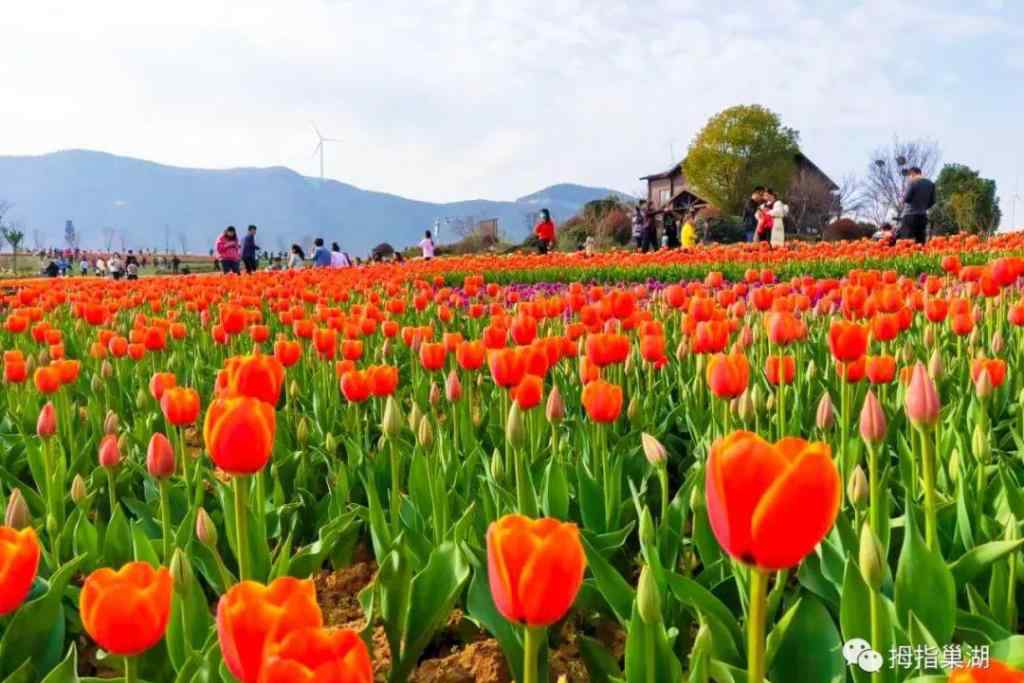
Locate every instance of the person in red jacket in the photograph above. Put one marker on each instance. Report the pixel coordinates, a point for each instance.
(545, 231)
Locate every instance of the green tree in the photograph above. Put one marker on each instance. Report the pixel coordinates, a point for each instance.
(739, 148)
(965, 202)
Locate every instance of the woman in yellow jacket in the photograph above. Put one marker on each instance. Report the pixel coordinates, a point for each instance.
(689, 237)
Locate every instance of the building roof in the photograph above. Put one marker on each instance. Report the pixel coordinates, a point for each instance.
(801, 158)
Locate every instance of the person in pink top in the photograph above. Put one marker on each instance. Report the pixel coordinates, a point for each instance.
(229, 251)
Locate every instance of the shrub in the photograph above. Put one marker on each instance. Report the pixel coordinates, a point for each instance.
(845, 229)
(713, 227)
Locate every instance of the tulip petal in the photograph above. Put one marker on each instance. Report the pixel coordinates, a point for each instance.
(552, 577)
(797, 511)
(741, 468)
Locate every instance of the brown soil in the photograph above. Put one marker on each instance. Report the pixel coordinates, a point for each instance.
(460, 653)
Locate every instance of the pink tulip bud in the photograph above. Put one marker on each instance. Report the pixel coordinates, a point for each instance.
(17, 515)
(747, 335)
(160, 457)
(983, 384)
(435, 394)
(555, 408)
(110, 452)
(872, 420)
(206, 530)
(826, 416)
(46, 425)
(453, 387)
(997, 343)
(922, 403)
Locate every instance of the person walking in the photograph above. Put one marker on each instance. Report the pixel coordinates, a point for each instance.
(427, 246)
(249, 250)
(777, 210)
(321, 257)
(918, 199)
(689, 232)
(545, 232)
(228, 251)
(115, 267)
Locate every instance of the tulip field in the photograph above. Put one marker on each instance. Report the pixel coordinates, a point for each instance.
(733, 464)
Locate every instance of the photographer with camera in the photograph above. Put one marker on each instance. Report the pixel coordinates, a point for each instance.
(917, 200)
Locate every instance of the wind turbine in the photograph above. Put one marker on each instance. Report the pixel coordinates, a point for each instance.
(320, 148)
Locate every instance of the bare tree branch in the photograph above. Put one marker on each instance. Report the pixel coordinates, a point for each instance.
(884, 184)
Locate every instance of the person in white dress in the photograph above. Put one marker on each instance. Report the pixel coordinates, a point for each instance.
(779, 210)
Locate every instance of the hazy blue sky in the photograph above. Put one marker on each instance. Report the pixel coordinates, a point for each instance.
(447, 99)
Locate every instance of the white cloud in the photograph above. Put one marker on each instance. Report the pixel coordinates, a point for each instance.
(446, 99)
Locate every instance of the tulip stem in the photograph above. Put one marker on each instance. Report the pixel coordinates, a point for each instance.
(241, 484)
(755, 625)
(111, 489)
(928, 473)
(183, 457)
(396, 489)
(874, 492)
(131, 670)
(663, 481)
(165, 520)
(531, 647)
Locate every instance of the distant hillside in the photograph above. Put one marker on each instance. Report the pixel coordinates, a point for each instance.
(152, 205)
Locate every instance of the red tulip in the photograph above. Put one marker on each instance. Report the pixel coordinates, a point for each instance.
(19, 563)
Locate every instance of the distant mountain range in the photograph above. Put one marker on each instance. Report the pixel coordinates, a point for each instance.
(141, 204)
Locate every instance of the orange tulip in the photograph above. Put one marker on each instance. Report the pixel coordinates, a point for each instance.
(470, 355)
(355, 386)
(383, 379)
(770, 505)
(257, 376)
(528, 392)
(728, 375)
(19, 562)
(68, 370)
(161, 382)
(711, 336)
(780, 369)
(847, 341)
(318, 655)
(239, 434)
(250, 617)
(652, 348)
(507, 367)
(853, 371)
(287, 352)
(180, 405)
(47, 379)
(996, 368)
(432, 355)
(602, 401)
(126, 611)
(535, 568)
(15, 371)
(880, 369)
(995, 672)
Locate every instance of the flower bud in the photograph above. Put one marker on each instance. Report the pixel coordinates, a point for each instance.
(160, 457)
(294, 390)
(111, 423)
(79, 491)
(425, 433)
(745, 406)
(857, 487)
(453, 387)
(110, 452)
(936, 368)
(391, 424)
(106, 369)
(96, 384)
(554, 410)
(872, 420)
(811, 371)
(654, 451)
(17, 515)
(415, 415)
(141, 399)
(43, 358)
(696, 498)
(648, 599)
(922, 400)
(983, 384)
(648, 537)
(181, 573)
(330, 443)
(633, 411)
(515, 429)
(826, 416)
(757, 396)
(997, 345)
(954, 465)
(123, 442)
(302, 431)
(51, 525)
(981, 444)
(929, 336)
(497, 467)
(870, 558)
(435, 393)
(683, 349)
(907, 353)
(206, 530)
(46, 425)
